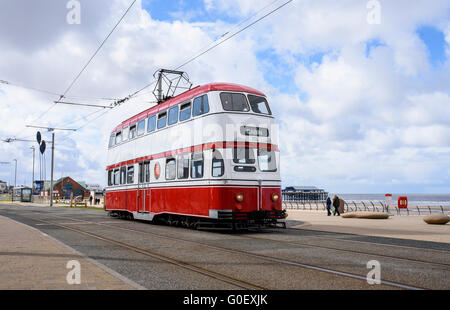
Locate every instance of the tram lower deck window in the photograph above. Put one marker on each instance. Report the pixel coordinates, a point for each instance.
(130, 175)
(183, 167)
(123, 175)
(110, 177)
(267, 161)
(218, 165)
(116, 177)
(170, 169)
(197, 165)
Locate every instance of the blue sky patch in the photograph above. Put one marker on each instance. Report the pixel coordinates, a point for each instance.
(188, 10)
(277, 71)
(373, 44)
(434, 39)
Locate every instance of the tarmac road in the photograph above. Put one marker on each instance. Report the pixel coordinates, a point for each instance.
(163, 257)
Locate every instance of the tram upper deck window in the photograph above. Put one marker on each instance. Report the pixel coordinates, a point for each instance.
(234, 102)
(243, 155)
(141, 127)
(112, 139)
(151, 126)
(201, 105)
(259, 104)
(197, 165)
(267, 161)
(162, 120)
(118, 137)
(125, 134)
(185, 111)
(133, 132)
(173, 115)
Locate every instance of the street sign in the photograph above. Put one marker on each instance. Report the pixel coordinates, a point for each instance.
(42, 147)
(38, 137)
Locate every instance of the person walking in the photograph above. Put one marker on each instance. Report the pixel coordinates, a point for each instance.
(336, 205)
(329, 205)
(90, 200)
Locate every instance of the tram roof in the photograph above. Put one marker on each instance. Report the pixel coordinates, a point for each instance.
(187, 95)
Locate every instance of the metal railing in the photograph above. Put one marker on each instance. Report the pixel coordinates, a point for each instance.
(372, 206)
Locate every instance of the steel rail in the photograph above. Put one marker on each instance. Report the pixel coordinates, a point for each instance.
(259, 256)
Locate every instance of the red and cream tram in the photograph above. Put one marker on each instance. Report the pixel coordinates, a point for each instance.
(207, 157)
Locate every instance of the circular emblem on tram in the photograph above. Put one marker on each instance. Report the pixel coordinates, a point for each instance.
(157, 170)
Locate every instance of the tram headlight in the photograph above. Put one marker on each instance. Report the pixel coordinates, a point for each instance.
(239, 197)
(275, 197)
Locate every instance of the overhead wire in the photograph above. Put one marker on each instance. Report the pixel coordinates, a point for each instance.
(216, 44)
(86, 65)
(224, 37)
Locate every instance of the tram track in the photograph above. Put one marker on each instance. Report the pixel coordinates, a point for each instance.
(209, 273)
(364, 242)
(213, 274)
(348, 251)
(294, 243)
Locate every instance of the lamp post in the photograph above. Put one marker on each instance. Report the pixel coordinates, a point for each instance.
(32, 180)
(15, 174)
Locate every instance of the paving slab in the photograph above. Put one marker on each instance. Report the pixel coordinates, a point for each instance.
(32, 260)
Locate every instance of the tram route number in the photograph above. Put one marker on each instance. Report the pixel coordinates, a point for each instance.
(212, 301)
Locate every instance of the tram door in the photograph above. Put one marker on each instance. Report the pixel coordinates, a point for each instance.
(143, 198)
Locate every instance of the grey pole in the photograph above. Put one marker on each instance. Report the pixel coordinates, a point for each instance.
(15, 174)
(51, 174)
(32, 180)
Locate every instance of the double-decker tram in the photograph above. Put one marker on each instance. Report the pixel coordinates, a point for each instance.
(205, 158)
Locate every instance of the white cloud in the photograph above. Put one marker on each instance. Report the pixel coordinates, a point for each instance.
(360, 123)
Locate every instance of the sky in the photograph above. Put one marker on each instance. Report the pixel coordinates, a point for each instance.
(360, 88)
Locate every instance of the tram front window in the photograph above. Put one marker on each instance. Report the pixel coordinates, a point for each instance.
(259, 104)
(243, 155)
(234, 102)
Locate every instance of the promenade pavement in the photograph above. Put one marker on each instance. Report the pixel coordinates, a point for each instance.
(403, 227)
(30, 259)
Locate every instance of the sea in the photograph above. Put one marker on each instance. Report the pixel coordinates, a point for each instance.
(413, 199)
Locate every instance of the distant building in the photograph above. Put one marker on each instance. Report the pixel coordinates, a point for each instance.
(3, 187)
(65, 187)
(304, 193)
